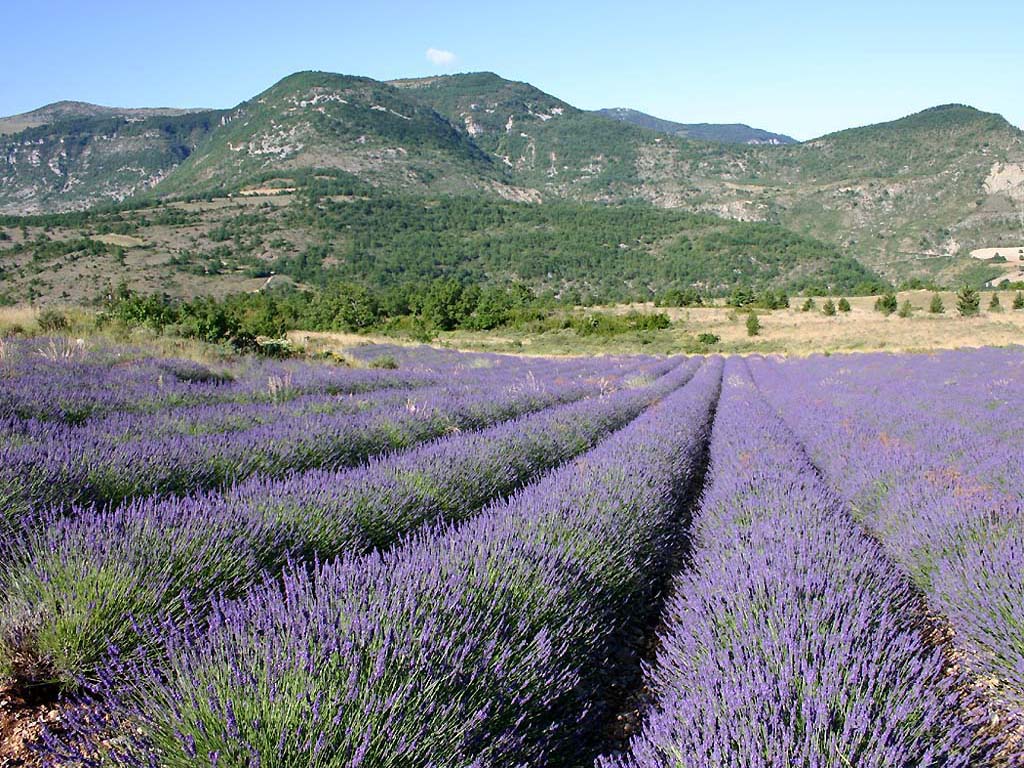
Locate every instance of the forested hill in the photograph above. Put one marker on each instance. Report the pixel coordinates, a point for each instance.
(339, 229)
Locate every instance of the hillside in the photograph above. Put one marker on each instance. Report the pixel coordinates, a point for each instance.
(78, 162)
(543, 143)
(349, 231)
(322, 120)
(910, 198)
(69, 110)
(727, 133)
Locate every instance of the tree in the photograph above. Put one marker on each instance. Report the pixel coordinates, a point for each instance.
(968, 302)
(994, 305)
(443, 306)
(808, 305)
(936, 307)
(1018, 301)
(844, 305)
(906, 309)
(753, 324)
(829, 308)
(886, 303)
(741, 296)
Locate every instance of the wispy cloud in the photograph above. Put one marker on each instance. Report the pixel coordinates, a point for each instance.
(440, 57)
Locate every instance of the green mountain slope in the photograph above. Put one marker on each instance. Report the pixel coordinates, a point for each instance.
(311, 238)
(727, 133)
(545, 144)
(911, 197)
(79, 161)
(322, 120)
(70, 110)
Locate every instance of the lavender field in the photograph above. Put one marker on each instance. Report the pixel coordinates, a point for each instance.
(450, 560)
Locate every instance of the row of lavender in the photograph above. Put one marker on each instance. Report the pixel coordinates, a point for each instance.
(71, 582)
(791, 639)
(113, 458)
(927, 451)
(102, 380)
(485, 643)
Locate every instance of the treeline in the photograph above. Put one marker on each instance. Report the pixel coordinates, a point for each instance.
(443, 305)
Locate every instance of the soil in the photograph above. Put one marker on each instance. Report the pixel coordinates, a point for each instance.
(21, 726)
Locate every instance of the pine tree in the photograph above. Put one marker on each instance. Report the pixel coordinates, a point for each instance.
(968, 302)
(994, 305)
(808, 305)
(844, 305)
(936, 307)
(886, 303)
(753, 324)
(829, 307)
(906, 309)
(1018, 301)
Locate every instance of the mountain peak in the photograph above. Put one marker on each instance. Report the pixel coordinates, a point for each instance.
(723, 133)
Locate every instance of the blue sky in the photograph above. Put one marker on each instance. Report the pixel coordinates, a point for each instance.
(801, 68)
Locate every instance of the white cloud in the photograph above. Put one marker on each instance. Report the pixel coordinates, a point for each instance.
(440, 57)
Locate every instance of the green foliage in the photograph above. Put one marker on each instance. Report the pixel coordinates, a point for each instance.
(52, 321)
(674, 297)
(936, 307)
(844, 305)
(708, 338)
(828, 308)
(619, 253)
(610, 324)
(387, 362)
(968, 302)
(906, 309)
(886, 303)
(1018, 300)
(808, 305)
(741, 296)
(994, 304)
(753, 324)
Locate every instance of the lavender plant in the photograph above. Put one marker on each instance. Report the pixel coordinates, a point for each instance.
(486, 644)
(791, 640)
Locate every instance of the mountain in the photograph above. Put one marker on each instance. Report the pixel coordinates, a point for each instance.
(729, 133)
(313, 120)
(88, 157)
(909, 198)
(68, 110)
(545, 145)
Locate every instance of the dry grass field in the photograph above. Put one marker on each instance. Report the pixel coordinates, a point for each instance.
(786, 331)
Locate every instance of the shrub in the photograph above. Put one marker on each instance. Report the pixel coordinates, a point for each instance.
(1018, 301)
(844, 305)
(829, 308)
(387, 362)
(906, 309)
(886, 303)
(753, 324)
(936, 307)
(808, 305)
(708, 338)
(52, 321)
(968, 302)
(994, 305)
